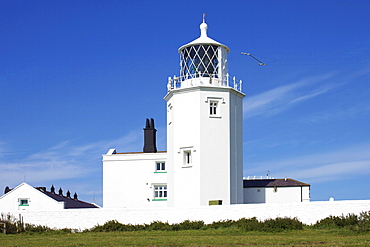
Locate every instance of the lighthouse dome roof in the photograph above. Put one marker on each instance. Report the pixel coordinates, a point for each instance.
(204, 39)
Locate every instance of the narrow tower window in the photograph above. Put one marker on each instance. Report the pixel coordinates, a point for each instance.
(187, 157)
(213, 108)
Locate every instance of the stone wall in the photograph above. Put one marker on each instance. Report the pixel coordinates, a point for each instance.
(81, 219)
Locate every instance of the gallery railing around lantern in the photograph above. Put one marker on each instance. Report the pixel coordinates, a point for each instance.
(199, 79)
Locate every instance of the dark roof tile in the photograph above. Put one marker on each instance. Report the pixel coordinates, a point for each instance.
(69, 202)
(272, 183)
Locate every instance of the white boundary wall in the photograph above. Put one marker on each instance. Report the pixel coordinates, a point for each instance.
(81, 219)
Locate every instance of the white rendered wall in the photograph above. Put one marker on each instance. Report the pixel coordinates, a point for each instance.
(281, 195)
(215, 143)
(81, 219)
(129, 179)
(37, 201)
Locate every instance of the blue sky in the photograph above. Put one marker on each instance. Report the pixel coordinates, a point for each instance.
(79, 77)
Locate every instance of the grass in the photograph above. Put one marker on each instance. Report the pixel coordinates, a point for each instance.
(209, 237)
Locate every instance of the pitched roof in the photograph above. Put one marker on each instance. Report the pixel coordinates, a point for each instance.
(247, 183)
(69, 202)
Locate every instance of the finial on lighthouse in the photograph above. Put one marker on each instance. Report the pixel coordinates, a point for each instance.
(203, 27)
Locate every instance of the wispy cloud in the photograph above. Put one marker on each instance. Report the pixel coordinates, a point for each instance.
(283, 97)
(328, 166)
(65, 160)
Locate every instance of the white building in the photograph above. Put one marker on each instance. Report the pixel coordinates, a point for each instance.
(270, 190)
(203, 164)
(27, 198)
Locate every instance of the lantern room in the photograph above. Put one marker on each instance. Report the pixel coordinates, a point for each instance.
(203, 62)
(203, 58)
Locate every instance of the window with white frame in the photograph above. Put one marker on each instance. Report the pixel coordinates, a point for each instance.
(160, 166)
(213, 108)
(160, 191)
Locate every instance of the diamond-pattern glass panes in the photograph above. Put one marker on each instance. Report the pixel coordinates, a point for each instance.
(199, 61)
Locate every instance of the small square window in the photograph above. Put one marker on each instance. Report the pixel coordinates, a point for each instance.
(160, 166)
(23, 202)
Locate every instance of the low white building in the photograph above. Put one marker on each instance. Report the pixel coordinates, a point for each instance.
(134, 179)
(272, 190)
(27, 198)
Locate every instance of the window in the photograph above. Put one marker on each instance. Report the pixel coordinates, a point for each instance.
(160, 167)
(213, 108)
(160, 192)
(187, 157)
(23, 202)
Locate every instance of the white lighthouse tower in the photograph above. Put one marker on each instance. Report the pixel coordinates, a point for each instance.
(204, 128)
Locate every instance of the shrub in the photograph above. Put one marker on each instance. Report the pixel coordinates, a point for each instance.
(280, 224)
(364, 221)
(221, 223)
(331, 222)
(251, 224)
(191, 225)
(158, 226)
(115, 226)
(109, 226)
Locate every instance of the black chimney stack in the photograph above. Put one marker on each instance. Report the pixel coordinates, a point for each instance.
(7, 189)
(150, 139)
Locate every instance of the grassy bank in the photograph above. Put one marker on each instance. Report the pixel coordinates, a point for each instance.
(209, 237)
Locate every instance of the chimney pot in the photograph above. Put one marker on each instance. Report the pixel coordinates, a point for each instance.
(150, 137)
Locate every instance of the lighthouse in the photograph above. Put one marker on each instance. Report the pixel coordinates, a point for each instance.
(204, 127)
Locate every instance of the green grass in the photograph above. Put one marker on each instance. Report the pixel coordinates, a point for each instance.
(209, 237)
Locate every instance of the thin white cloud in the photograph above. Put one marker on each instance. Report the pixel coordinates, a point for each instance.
(334, 171)
(65, 160)
(281, 98)
(327, 166)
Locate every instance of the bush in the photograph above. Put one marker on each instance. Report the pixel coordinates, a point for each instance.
(331, 222)
(191, 225)
(364, 221)
(251, 224)
(221, 223)
(158, 226)
(109, 226)
(281, 224)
